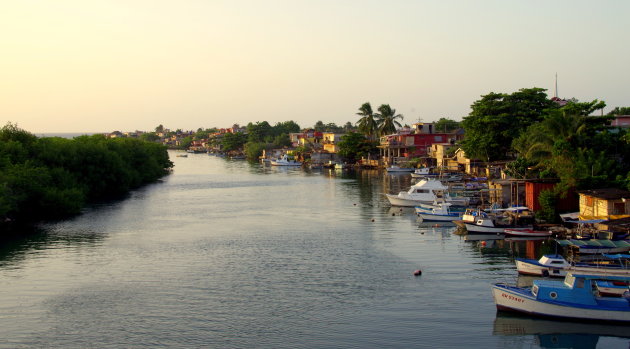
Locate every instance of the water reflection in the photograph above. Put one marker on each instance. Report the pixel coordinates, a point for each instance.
(558, 334)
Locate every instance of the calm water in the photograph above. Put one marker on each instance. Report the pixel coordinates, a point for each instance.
(225, 254)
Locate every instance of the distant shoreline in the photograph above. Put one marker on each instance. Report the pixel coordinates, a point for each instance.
(65, 134)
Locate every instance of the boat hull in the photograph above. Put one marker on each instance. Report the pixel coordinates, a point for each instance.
(526, 233)
(479, 229)
(509, 298)
(438, 217)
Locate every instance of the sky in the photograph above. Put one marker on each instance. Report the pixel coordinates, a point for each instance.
(126, 65)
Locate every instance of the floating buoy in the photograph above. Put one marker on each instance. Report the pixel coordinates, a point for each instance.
(355, 204)
(483, 244)
(393, 214)
(372, 219)
(400, 210)
(417, 272)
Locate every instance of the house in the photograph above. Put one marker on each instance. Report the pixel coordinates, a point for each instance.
(410, 143)
(606, 203)
(621, 121)
(533, 188)
(330, 141)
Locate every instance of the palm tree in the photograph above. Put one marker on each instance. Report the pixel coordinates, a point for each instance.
(367, 124)
(387, 120)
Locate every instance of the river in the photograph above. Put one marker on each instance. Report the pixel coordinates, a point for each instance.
(227, 254)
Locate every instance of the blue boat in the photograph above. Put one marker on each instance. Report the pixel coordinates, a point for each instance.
(442, 212)
(577, 297)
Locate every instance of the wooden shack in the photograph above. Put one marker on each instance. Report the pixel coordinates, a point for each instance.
(606, 203)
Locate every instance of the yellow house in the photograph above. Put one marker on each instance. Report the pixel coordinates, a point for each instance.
(608, 203)
(330, 141)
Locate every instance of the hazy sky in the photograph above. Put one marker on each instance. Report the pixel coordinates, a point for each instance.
(105, 65)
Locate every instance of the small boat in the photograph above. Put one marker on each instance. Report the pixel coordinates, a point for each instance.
(572, 298)
(595, 246)
(424, 172)
(608, 288)
(557, 266)
(285, 160)
(527, 232)
(514, 218)
(425, 191)
(182, 155)
(396, 168)
(440, 212)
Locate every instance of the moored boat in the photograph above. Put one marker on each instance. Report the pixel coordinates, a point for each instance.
(515, 218)
(572, 298)
(396, 168)
(527, 232)
(440, 212)
(557, 266)
(425, 191)
(285, 160)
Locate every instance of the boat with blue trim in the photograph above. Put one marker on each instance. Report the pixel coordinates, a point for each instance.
(438, 212)
(558, 266)
(576, 297)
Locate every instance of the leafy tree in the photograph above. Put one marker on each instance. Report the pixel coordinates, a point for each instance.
(387, 120)
(282, 140)
(353, 146)
(497, 119)
(348, 127)
(259, 131)
(286, 128)
(319, 126)
(150, 137)
(367, 123)
(185, 142)
(254, 150)
(446, 125)
(159, 128)
(619, 111)
(233, 141)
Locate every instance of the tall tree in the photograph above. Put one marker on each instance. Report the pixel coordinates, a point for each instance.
(446, 125)
(367, 124)
(387, 120)
(498, 118)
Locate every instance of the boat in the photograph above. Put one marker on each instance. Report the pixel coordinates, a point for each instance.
(439, 212)
(514, 218)
(572, 298)
(558, 266)
(527, 232)
(182, 155)
(595, 246)
(424, 172)
(285, 160)
(425, 191)
(396, 168)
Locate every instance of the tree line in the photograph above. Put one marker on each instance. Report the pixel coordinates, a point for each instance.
(52, 178)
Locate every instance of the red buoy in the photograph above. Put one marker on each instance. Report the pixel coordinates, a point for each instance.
(417, 272)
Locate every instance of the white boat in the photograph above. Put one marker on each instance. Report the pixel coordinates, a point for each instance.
(425, 191)
(595, 246)
(396, 168)
(285, 160)
(424, 172)
(440, 212)
(514, 218)
(572, 298)
(527, 232)
(557, 266)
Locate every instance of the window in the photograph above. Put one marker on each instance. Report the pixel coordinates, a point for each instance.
(437, 138)
(619, 208)
(589, 201)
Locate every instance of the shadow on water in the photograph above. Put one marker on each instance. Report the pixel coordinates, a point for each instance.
(27, 241)
(557, 334)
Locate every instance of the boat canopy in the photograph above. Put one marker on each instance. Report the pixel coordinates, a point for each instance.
(593, 242)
